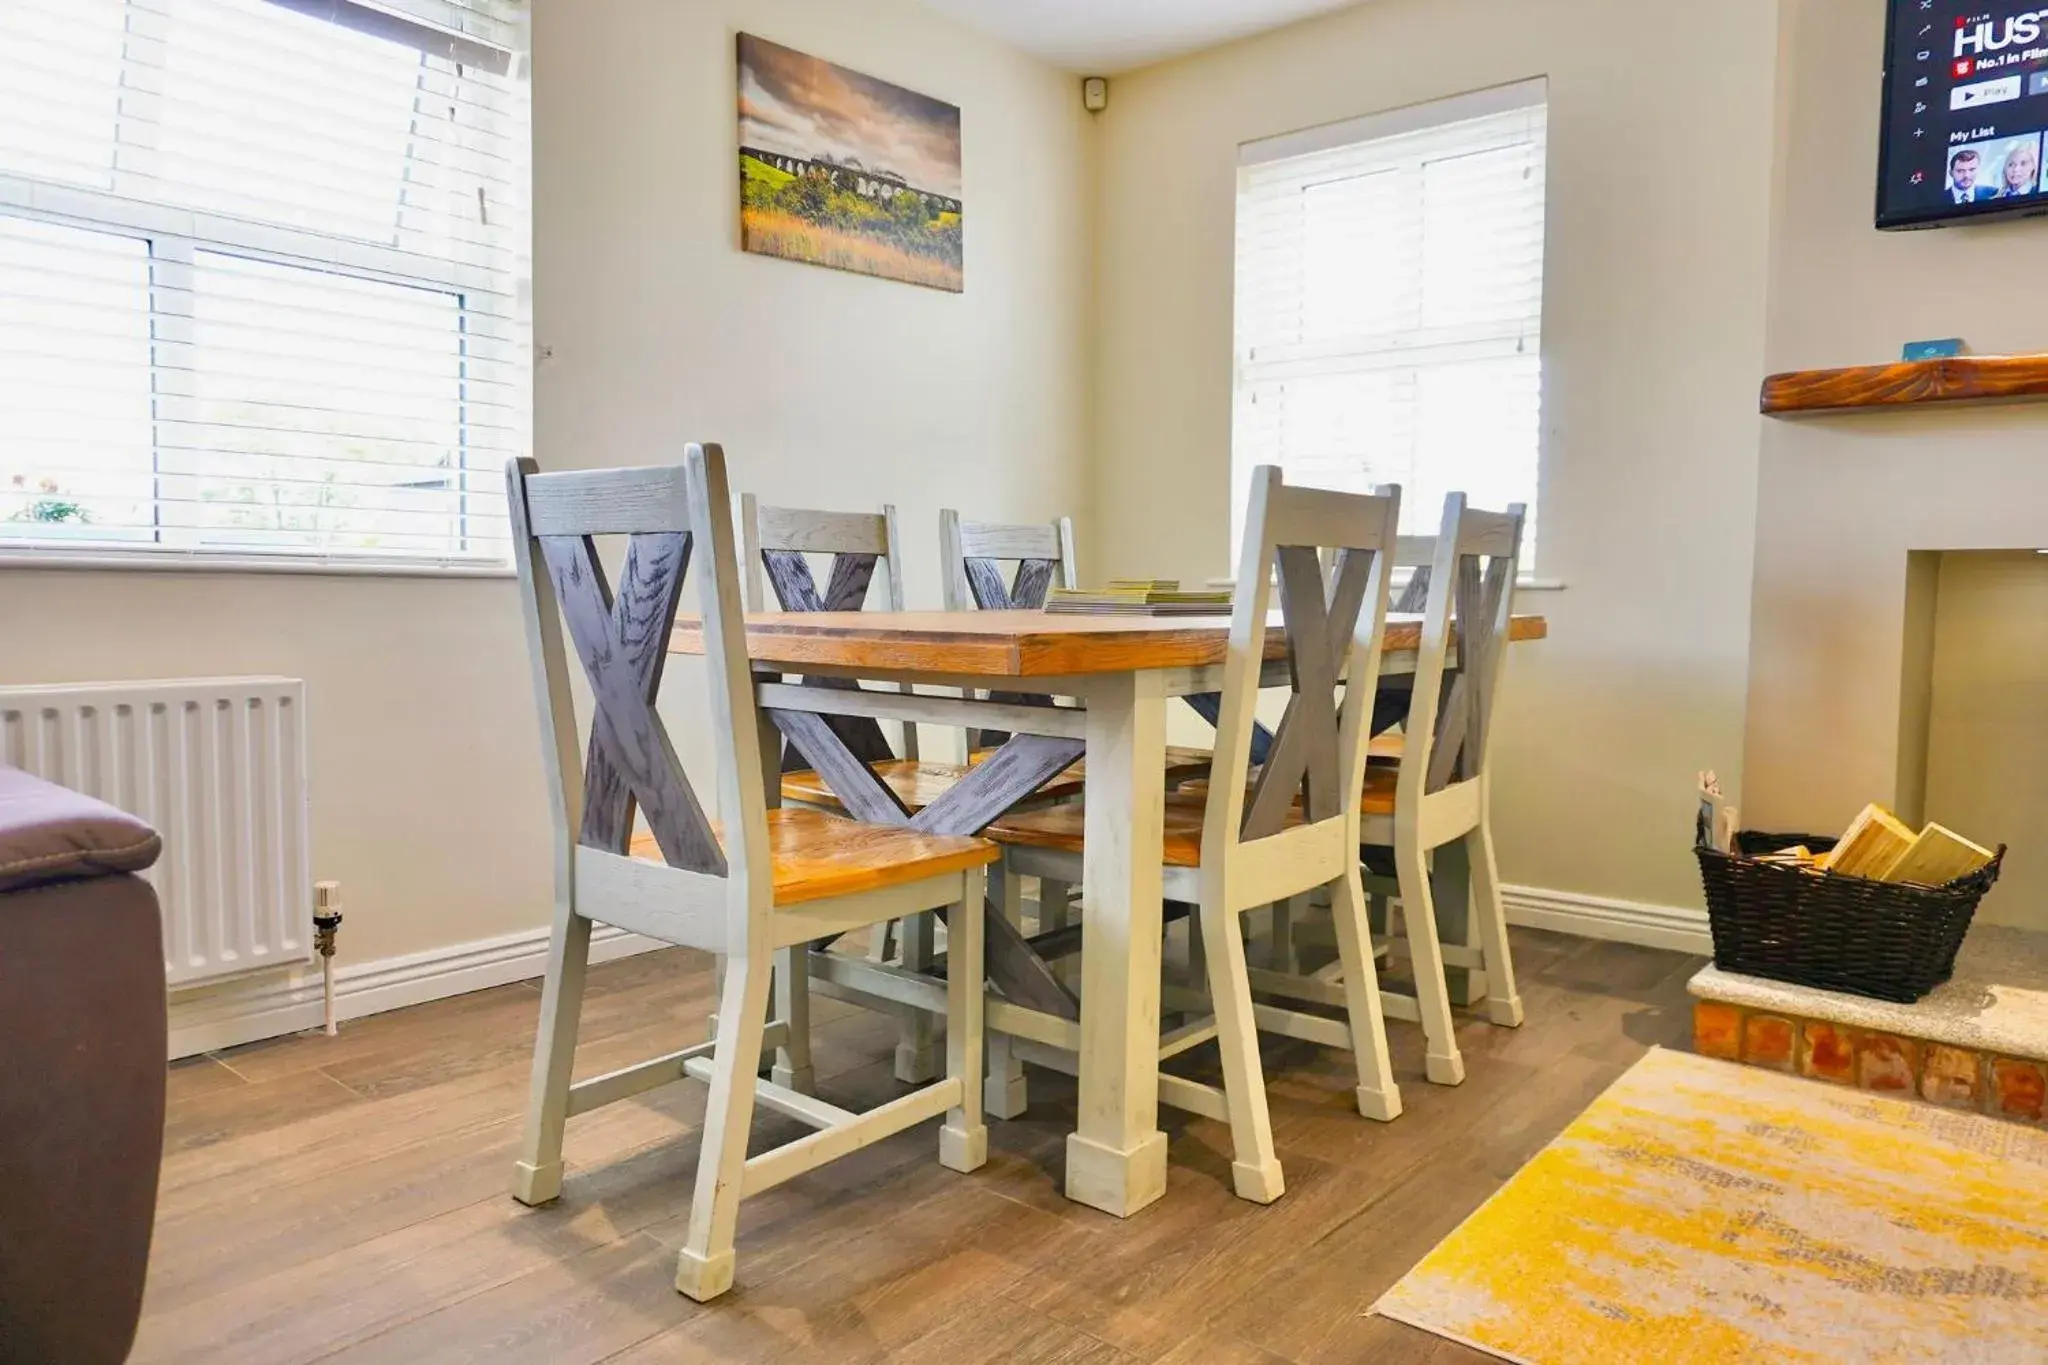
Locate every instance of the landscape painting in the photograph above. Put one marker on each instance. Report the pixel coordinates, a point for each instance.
(844, 170)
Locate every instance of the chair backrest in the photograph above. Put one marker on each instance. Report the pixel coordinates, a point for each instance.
(1417, 554)
(1335, 625)
(1467, 593)
(668, 516)
(976, 551)
(778, 541)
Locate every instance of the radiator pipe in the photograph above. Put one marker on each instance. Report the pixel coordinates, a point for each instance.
(326, 921)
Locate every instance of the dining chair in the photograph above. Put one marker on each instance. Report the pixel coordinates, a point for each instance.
(1442, 786)
(1435, 788)
(743, 887)
(1010, 566)
(1250, 841)
(1039, 556)
(778, 542)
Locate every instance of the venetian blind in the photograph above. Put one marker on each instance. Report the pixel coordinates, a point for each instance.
(1390, 305)
(260, 276)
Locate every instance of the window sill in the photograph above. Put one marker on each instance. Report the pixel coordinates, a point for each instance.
(215, 561)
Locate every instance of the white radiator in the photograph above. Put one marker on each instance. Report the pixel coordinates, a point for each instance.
(218, 765)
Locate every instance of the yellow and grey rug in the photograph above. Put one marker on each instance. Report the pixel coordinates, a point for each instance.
(1703, 1212)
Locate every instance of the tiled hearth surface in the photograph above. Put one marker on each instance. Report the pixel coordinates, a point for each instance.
(1980, 1042)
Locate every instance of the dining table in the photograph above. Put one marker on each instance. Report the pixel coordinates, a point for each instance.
(1062, 688)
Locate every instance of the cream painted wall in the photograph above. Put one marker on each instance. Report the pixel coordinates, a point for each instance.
(1988, 724)
(1659, 193)
(427, 803)
(1845, 499)
(828, 390)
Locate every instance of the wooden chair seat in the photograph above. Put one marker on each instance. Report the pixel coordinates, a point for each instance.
(1061, 828)
(818, 855)
(916, 782)
(1182, 763)
(1377, 798)
(919, 782)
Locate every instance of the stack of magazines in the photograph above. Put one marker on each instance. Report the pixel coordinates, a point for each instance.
(1138, 597)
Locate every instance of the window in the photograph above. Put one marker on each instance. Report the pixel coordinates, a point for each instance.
(1390, 306)
(260, 271)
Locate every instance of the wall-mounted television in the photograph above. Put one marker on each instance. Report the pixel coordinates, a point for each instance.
(1965, 111)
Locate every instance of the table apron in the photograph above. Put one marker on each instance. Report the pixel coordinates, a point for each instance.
(1174, 682)
(1064, 722)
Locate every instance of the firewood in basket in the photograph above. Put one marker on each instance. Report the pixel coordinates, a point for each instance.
(1874, 842)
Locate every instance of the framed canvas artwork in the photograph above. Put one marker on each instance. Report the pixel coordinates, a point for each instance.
(844, 170)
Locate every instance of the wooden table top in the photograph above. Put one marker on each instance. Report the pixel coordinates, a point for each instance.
(1012, 644)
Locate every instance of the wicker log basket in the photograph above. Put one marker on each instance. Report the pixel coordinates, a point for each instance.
(1886, 940)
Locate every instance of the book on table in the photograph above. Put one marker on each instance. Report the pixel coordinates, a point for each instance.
(1138, 597)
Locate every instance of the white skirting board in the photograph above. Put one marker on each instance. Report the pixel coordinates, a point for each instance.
(272, 1005)
(1683, 928)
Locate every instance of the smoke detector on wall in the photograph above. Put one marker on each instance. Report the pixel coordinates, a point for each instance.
(1095, 94)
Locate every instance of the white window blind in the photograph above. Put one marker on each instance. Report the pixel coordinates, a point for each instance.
(261, 264)
(1390, 306)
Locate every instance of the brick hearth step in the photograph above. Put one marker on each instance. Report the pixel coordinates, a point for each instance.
(1980, 1042)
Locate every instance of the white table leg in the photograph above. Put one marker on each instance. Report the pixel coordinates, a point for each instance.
(1116, 1157)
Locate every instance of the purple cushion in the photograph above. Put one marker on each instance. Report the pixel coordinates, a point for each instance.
(49, 833)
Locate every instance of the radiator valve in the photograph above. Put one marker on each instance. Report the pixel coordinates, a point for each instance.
(326, 922)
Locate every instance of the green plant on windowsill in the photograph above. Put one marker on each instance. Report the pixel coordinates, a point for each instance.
(50, 509)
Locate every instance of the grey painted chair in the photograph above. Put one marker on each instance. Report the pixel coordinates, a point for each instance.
(778, 543)
(756, 882)
(1291, 830)
(1009, 566)
(1436, 796)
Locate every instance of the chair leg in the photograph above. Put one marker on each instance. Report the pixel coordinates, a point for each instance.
(963, 1139)
(537, 1176)
(1503, 1000)
(882, 941)
(705, 1268)
(1378, 1096)
(1280, 949)
(915, 1060)
(717, 983)
(1052, 905)
(793, 1007)
(1441, 1062)
(1198, 953)
(1005, 1093)
(1255, 1171)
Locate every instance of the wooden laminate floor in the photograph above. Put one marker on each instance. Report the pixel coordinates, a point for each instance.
(343, 1199)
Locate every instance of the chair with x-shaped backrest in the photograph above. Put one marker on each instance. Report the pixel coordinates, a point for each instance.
(753, 883)
(1441, 791)
(1438, 792)
(1006, 566)
(1249, 842)
(974, 555)
(972, 559)
(778, 543)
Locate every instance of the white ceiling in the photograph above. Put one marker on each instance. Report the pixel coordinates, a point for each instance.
(1102, 37)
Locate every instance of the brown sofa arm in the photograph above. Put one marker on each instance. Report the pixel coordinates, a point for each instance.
(82, 1047)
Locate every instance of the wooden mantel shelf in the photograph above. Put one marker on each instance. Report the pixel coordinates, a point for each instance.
(1957, 379)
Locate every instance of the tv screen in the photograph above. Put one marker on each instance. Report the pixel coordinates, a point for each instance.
(1965, 111)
